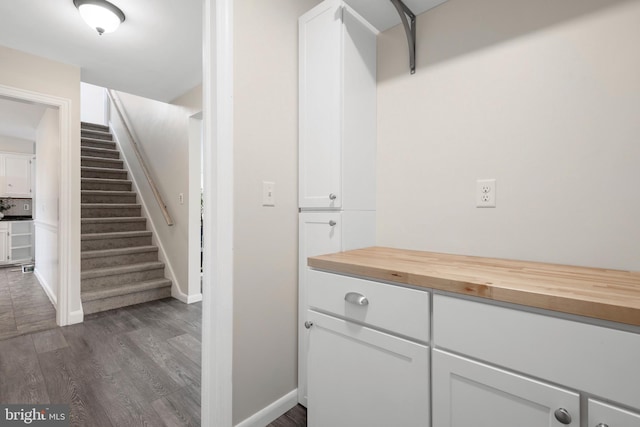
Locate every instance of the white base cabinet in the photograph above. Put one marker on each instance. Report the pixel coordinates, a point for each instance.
(360, 377)
(468, 393)
(604, 415)
(4, 242)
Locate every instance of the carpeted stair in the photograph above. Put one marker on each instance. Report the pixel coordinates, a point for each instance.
(119, 264)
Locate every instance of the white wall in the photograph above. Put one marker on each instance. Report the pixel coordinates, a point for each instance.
(16, 145)
(31, 73)
(265, 238)
(162, 131)
(192, 99)
(544, 96)
(47, 176)
(93, 104)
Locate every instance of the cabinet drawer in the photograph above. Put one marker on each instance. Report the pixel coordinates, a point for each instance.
(392, 308)
(595, 359)
(607, 415)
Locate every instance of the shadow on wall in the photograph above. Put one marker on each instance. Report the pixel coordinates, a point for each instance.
(459, 27)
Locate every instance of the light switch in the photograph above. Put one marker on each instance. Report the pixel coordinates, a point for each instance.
(181, 198)
(268, 193)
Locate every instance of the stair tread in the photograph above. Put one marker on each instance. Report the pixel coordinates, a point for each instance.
(118, 251)
(97, 169)
(105, 180)
(102, 150)
(109, 192)
(89, 139)
(98, 125)
(109, 205)
(113, 219)
(114, 234)
(102, 159)
(124, 289)
(121, 269)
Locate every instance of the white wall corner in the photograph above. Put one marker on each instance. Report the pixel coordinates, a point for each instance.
(270, 413)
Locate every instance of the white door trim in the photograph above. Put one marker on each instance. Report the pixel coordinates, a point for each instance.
(217, 322)
(69, 206)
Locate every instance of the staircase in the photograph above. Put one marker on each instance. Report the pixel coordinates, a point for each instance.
(119, 264)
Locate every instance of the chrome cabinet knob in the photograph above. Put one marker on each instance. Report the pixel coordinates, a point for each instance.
(308, 324)
(332, 196)
(332, 223)
(563, 416)
(602, 425)
(356, 298)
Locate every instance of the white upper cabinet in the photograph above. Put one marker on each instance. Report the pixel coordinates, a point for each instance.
(383, 15)
(15, 170)
(337, 109)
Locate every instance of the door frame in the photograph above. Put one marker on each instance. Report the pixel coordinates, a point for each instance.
(69, 206)
(217, 281)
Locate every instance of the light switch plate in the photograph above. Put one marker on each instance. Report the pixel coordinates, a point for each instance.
(268, 193)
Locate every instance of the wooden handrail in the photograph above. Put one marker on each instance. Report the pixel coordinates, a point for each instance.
(127, 126)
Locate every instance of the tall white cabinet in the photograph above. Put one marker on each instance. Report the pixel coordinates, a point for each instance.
(337, 143)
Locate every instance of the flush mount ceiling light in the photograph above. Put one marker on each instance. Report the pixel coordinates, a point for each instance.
(100, 15)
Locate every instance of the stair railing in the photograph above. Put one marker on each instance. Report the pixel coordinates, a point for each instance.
(115, 100)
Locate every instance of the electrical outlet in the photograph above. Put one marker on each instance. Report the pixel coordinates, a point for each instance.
(486, 193)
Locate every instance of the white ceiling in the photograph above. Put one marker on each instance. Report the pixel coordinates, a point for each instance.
(156, 52)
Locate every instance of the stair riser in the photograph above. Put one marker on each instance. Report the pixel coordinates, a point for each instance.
(109, 212)
(117, 260)
(94, 126)
(108, 198)
(104, 186)
(95, 135)
(95, 162)
(88, 152)
(105, 174)
(97, 144)
(112, 227)
(115, 243)
(125, 300)
(121, 279)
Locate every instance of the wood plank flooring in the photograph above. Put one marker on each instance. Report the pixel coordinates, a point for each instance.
(24, 306)
(133, 366)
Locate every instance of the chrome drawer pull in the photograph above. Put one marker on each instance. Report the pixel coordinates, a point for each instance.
(563, 416)
(332, 196)
(332, 223)
(356, 298)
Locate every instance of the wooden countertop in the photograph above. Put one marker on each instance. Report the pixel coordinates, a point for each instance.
(594, 292)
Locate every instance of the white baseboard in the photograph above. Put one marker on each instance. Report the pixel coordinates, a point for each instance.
(75, 317)
(47, 288)
(267, 415)
(194, 298)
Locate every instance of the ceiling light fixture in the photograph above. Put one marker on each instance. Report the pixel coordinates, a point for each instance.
(100, 15)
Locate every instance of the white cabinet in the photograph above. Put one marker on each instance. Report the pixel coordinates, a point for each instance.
(324, 233)
(21, 241)
(604, 415)
(360, 377)
(468, 393)
(4, 242)
(16, 172)
(337, 120)
(367, 365)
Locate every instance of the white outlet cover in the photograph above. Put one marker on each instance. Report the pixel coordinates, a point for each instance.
(486, 193)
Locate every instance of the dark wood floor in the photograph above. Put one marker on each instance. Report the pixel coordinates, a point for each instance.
(137, 365)
(296, 417)
(24, 307)
(133, 366)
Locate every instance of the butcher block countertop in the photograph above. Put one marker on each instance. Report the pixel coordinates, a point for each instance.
(593, 292)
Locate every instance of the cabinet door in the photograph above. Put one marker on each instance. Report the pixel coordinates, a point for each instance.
(467, 393)
(319, 234)
(320, 120)
(359, 377)
(17, 172)
(604, 415)
(4, 243)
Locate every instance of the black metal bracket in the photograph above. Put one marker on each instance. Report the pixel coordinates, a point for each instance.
(408, 19)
